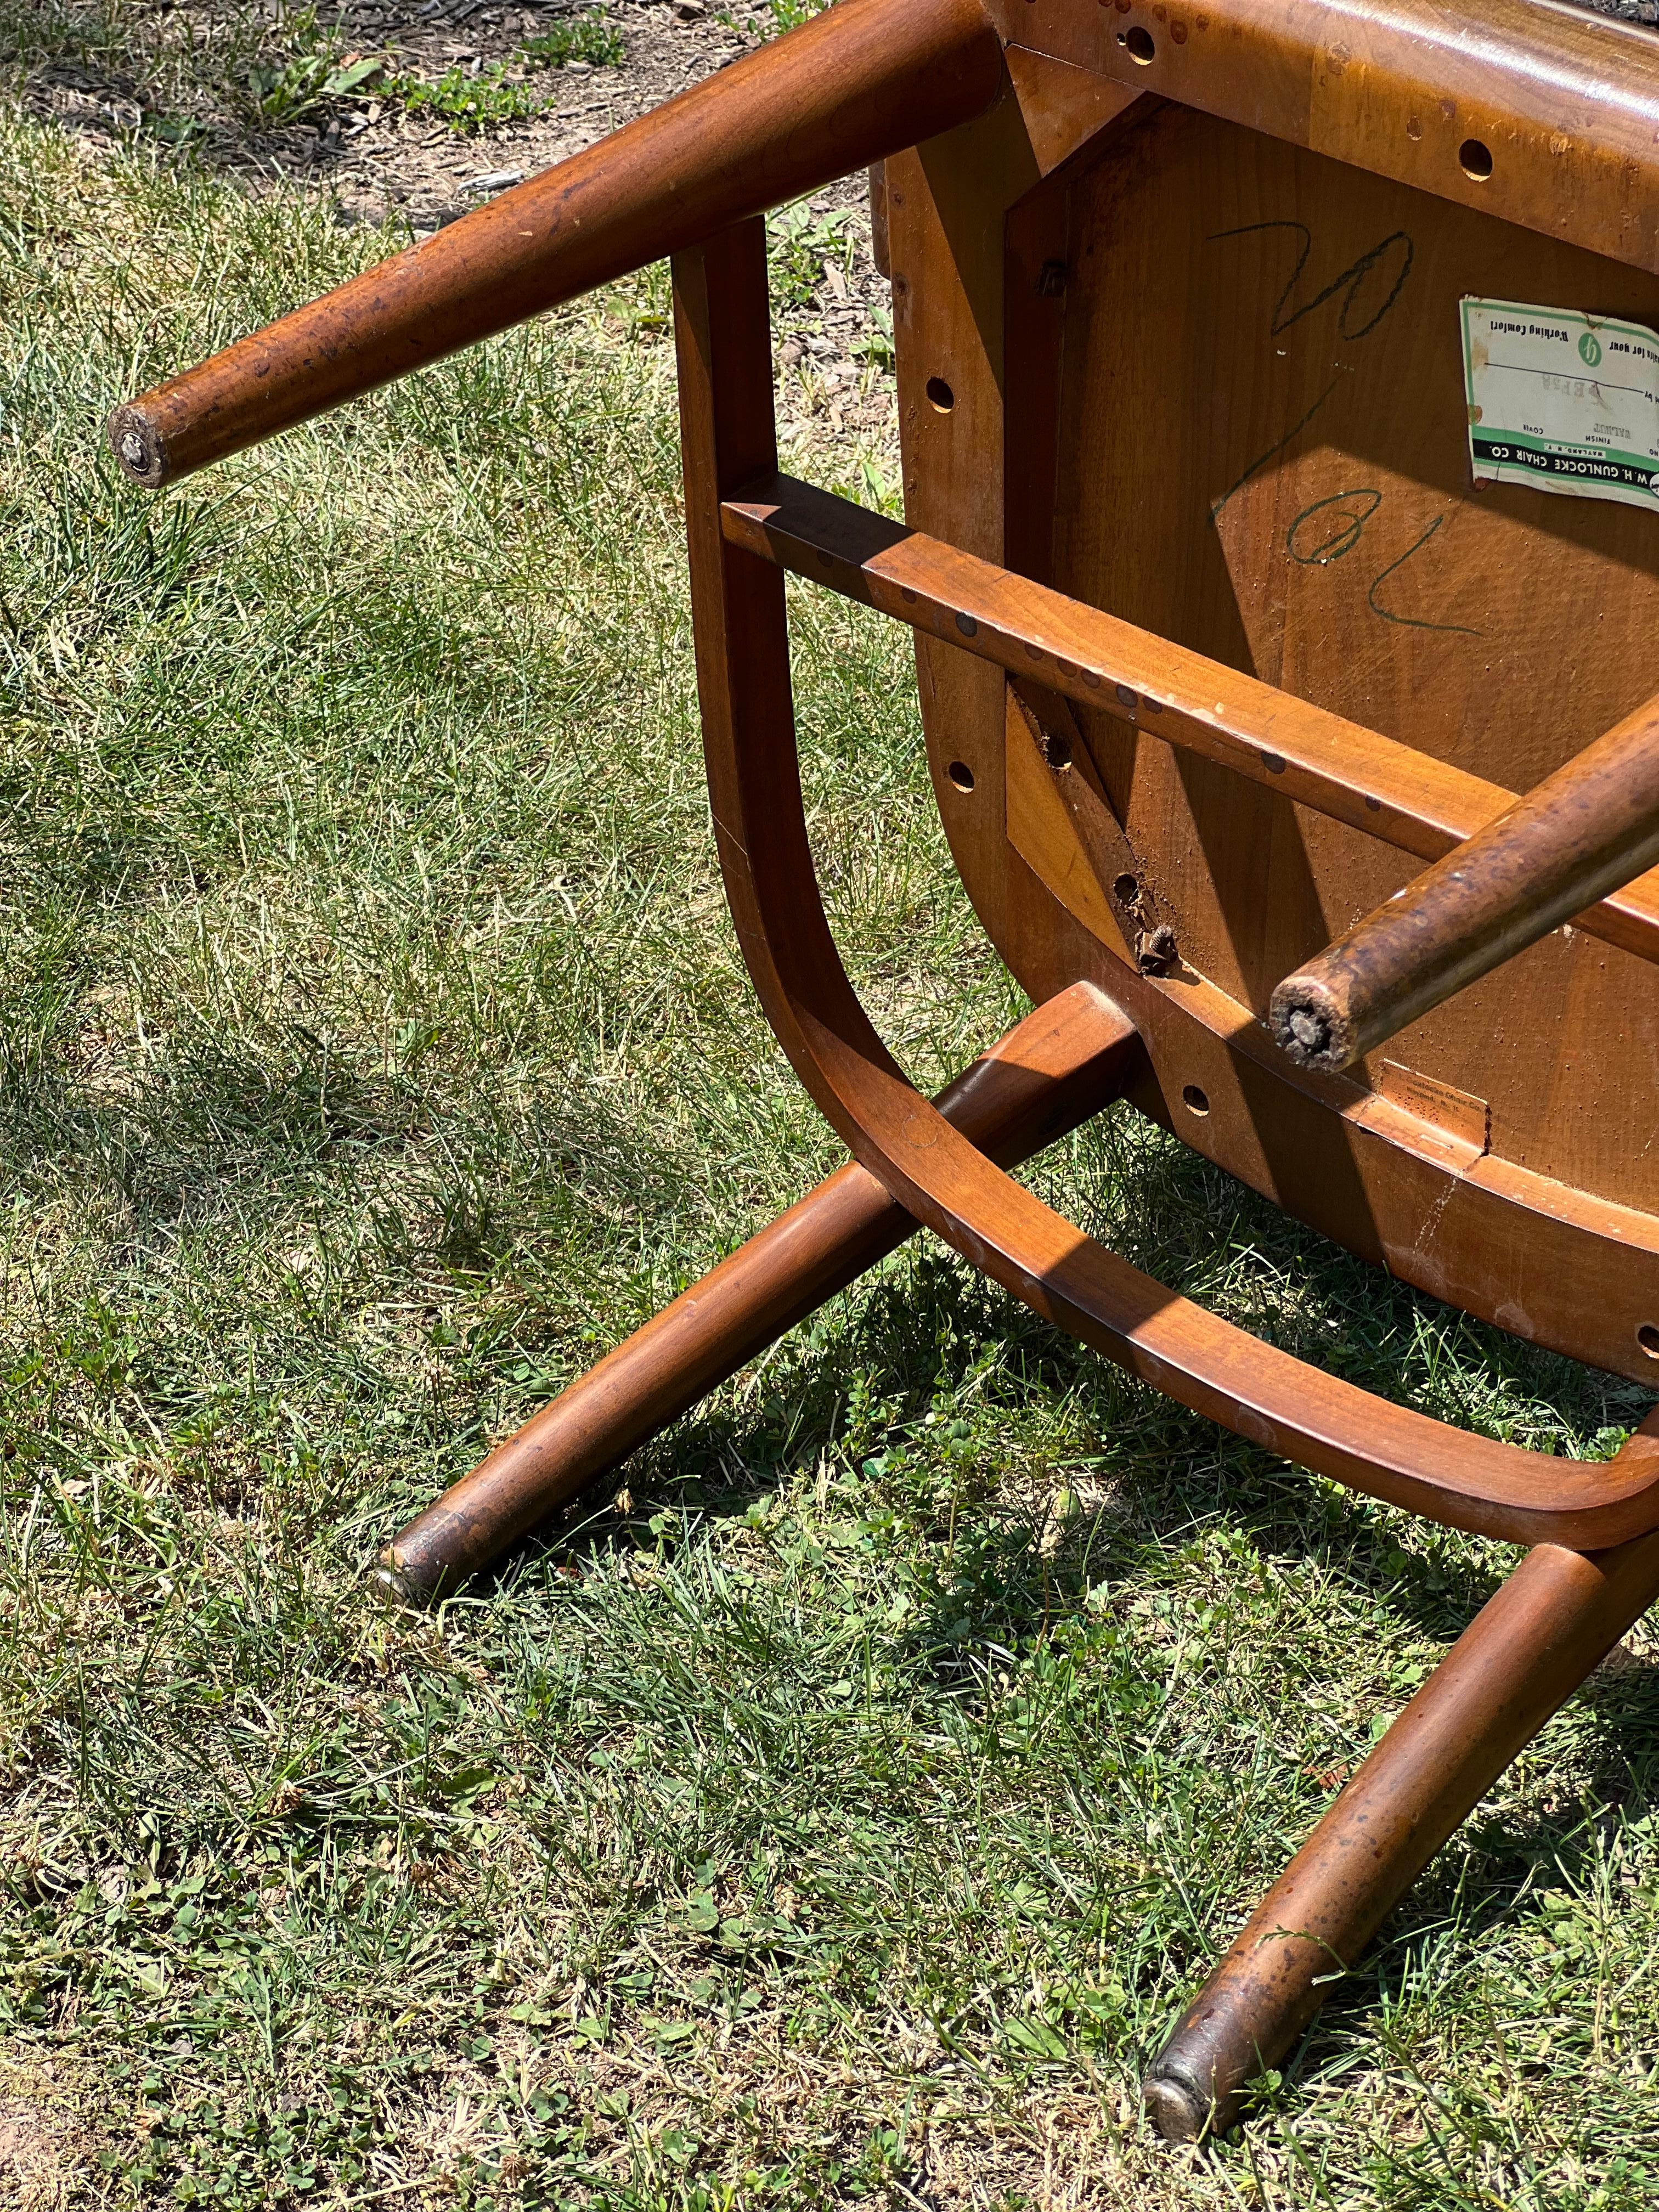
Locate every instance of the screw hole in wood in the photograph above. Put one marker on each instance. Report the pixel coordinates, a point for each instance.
(1139, 44)
(961, 775)
(1474, 158)
(1196, 1101)
(940, 394)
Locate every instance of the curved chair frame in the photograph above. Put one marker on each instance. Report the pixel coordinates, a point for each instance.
(1546, 1629)
(924, 1163)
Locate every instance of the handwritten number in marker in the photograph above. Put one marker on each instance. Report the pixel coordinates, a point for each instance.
(1332, 526)
(1278, 447)
(1329, 528)
(1394, 252)
(1409, 622)
(1390, 257)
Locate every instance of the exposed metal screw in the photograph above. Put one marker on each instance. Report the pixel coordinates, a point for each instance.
(1155, 949)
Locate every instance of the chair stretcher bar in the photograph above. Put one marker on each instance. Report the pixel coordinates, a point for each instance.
(1406, 798)
(1052, 1072)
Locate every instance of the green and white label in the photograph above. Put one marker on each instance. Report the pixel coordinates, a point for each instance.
(1563, 402)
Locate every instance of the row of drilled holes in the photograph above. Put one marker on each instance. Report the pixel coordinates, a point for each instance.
(1192, 1097)
(1475, 159)
(1473, 155)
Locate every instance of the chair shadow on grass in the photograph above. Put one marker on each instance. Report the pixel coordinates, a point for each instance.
(917, 1324)
(920, 1327)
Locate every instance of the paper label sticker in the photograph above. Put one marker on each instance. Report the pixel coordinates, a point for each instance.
(1563, 402)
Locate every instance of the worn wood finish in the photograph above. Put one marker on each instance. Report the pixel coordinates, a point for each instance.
(1370, 1167)
(1585, 830)
(1215, 644)
(947, 311)
(1565, 104)
(1390, 790)
(1052, 1070)
(1250, 883)
(1403, 1174)
(1317, 528)
(1517, 1080)
(926, 1164)
(1520, 1660)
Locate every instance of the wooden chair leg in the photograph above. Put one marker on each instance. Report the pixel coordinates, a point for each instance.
(1520, 1658)
(1051, 1072)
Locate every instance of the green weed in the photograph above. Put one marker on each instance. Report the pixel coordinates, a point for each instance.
(290, 91)
(591, 37)
(187, 68)
(877, 345)
(467, 101)
(801, 246)
(772, 18)
(777, 16)
(790, 14)
(485, 99)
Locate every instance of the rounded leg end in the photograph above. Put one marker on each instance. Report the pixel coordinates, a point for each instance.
(391, 1579)
(138, 447)
(1177, 2112)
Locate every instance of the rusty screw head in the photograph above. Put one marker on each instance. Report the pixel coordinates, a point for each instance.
(1155, 949)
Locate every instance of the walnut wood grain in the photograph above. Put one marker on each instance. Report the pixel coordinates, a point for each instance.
(1350, 561)
(1566, 105)
(1387, 1171)
(1314, 1419)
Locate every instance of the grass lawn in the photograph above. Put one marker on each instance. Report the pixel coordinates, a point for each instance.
(838, 1813)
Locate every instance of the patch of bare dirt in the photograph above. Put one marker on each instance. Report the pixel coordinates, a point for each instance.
(187, 77)
(45, 2152)
(200, 78)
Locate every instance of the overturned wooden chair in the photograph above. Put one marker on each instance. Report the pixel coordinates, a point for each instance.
(1245, 603)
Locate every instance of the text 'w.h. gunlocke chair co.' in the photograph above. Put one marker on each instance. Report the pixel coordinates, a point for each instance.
(1231, 674)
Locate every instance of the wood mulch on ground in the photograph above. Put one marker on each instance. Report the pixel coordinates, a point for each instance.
(379, 162)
